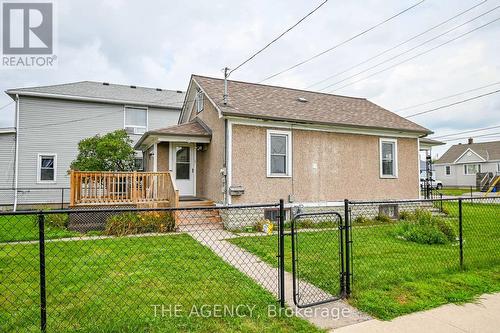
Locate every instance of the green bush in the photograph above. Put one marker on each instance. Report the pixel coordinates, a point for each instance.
(406, 215)
(382, 218)
(424, 228)
(56, 220)
(130, 223)
(360, 219)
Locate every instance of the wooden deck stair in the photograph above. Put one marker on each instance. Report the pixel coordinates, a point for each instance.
(192, 219)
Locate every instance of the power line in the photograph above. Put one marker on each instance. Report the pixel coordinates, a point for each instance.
(474, 136)
(6, 105)
(416, 56)
(275, 39)
(447, 97)
(465, 132)
(452, 104)
(411, 49)
(396, 46)
(341, 43)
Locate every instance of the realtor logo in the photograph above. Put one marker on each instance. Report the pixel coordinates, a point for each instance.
(28, 29)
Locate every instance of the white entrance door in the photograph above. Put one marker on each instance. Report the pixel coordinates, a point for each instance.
(184, 168)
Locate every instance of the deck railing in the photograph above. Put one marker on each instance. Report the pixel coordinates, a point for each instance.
(123, 188)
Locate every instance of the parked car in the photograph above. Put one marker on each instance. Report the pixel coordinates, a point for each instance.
(434, 184)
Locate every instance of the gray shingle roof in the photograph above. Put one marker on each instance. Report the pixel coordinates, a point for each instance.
(279, 103)
(489, 151)
(193, 128)
(113, 93)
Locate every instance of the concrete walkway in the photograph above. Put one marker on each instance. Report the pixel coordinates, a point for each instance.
(327, 316)
(482, 316)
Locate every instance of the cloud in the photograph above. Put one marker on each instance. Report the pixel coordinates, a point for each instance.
(161, 43)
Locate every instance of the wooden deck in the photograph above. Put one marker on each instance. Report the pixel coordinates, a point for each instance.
(138, 189)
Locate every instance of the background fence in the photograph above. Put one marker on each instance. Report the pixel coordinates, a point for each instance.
(34, 197)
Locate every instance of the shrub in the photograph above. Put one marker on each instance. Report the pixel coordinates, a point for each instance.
(383, 218)
(130, 223)
(56, 220)
(360, 219)
(406, 215)
(424, 228)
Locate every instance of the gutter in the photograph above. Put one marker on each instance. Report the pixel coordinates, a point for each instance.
(16, 156)
(89, 99)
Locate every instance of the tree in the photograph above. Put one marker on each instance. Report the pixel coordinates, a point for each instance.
(110, 152)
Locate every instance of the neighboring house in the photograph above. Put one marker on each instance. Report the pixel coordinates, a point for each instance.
(51, 120)
(459, 165)
(271, 142)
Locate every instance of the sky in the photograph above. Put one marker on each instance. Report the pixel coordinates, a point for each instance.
(161, 43)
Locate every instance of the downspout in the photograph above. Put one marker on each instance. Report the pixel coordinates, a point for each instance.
(16, 155)
(224, 177)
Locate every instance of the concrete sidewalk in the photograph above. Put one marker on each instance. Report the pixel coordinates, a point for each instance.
(482, 316)
(327, 316)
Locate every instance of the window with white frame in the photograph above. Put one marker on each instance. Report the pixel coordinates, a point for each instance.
(46, 171)
(472, 169)
(136, 120)
(388, 158)
(279, 153)
(199, 101)
(447, 170)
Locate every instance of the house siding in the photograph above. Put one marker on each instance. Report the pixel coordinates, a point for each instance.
(347, 167)
(458, 176)
(56, 126)
(7, 155)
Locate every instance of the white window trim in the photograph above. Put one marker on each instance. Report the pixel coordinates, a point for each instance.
(395, 142)
(288, 157)
(200, 96)
(39, 165)
(125, 107)
(471, 174)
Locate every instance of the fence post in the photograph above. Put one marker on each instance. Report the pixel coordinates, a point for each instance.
(441, 202)
(282, 253)
(43, 296)
(62, 198)
(347, 250)
(460, 232)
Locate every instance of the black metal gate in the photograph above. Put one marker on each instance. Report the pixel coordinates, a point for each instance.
(326, 278)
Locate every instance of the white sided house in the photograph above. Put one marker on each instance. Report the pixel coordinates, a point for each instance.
(51, 120)
(462, 163)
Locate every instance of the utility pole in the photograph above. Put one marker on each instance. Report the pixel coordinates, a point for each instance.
(226, 75)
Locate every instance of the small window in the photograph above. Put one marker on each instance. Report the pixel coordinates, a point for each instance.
(136, 120)
(199, 101)
(448, 170)
(472, 169)
(139, 164)
(388, 158)
(279, 154)
(46, 168)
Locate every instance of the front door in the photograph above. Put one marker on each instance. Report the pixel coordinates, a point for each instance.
(184, 168)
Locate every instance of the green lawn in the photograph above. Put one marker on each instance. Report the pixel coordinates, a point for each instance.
(111, 285)
(25, 227)
(393, 276)
(455, 191)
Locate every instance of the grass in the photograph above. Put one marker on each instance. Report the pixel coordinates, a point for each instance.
(111, 285)
(455, 191)
(393, 276)
(25, 227)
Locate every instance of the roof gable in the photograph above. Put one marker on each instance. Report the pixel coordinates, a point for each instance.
(487, 151)
(469, 156)
(285, 104)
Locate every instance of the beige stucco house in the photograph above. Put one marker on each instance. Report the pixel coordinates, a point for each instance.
(265, 142)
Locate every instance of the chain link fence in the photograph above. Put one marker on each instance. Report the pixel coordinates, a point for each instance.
(402, 241)
(125, 269)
